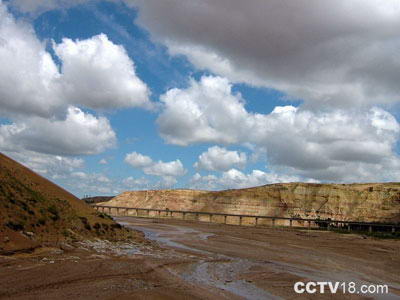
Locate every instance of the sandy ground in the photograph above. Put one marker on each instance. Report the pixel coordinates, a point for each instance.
(191, 260)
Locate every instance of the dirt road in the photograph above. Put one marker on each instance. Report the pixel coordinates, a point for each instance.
(204, 261)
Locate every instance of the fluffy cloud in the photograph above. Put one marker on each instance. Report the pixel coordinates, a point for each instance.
(41, 99)
(338, 52)
(168, 171)
(131, 182)
(204, 112)
(95, 178)
(51, 166)
(235, 179)
(333, 145)
(87, 183)
(28, 74)
(96, 73)
(103, 161)
(138, 160)
(79, 133)
(220, 159)
(332, 52)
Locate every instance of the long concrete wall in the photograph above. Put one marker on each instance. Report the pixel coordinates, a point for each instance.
(244, 220)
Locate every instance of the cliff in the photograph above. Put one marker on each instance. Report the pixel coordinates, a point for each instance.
(370, 202)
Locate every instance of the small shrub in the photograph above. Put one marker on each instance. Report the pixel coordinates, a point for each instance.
(15, 226)
(104, 216)
(84, 220)
(116, 226)
(54, 211)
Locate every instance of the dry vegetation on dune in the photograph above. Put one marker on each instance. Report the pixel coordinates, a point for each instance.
(36, 212)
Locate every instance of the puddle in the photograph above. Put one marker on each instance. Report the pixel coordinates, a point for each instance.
(223, 275)
(169, 236)
(224, 272)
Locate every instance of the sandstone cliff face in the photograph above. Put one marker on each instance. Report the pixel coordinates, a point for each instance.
(359, 202)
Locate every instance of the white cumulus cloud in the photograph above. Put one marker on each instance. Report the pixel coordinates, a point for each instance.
(44, 102)
(220, 159)
(234, 178)
(50, 166)
(80, 133)
(165, 169)
(103, 161)
(28, 74)
(168, 171)
(333, 145)
(138, 160)
(204, 112)
(97, 73)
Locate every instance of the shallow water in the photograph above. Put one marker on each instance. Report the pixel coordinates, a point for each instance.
(225, 272)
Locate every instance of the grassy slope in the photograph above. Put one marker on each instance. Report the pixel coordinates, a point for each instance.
(31, 203)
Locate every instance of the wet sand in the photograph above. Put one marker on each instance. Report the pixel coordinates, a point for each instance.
(190, 260)
(259, 263)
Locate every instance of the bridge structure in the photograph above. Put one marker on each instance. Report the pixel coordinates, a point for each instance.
(246, 220)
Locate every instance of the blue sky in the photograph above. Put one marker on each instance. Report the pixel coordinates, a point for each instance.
(143, 94)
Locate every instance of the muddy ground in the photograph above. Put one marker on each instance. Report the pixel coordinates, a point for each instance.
(189, 260)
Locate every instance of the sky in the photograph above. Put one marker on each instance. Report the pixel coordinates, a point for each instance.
(107, 96)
